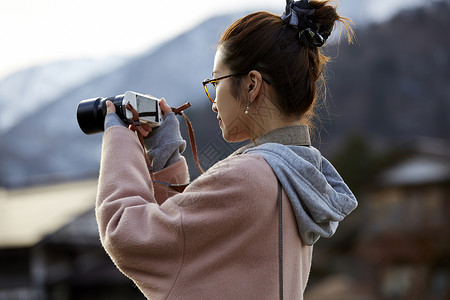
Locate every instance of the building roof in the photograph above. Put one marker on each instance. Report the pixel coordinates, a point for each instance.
(423, 160)
(418, 170)
(28, 215)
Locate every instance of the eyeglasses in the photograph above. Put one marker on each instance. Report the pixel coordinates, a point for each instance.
(211, 91)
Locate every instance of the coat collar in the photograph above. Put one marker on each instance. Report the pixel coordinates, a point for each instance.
(297, 135)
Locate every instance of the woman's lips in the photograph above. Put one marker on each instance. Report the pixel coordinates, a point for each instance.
(220, 121)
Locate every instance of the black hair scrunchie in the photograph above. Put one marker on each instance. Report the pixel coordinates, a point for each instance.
(297, 14)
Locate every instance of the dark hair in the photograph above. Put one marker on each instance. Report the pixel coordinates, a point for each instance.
(262, 41)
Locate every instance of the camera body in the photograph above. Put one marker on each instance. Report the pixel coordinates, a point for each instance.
(91, 112)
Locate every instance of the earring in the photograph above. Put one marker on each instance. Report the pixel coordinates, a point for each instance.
(248, 106)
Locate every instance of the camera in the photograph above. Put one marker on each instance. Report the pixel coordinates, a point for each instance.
(91, 112)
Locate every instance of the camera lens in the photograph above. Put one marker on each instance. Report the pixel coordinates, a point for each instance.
(91, 113)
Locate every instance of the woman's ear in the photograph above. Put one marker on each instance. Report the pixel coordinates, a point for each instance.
(254, 85)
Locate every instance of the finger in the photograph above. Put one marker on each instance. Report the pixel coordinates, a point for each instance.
(110, 108)
(165, 108)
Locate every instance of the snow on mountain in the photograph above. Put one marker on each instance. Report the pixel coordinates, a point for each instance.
(28, 90)
(49, 145)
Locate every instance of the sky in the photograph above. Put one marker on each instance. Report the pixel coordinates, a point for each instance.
(34, 32)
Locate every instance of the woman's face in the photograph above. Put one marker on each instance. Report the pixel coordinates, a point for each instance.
(229, 109)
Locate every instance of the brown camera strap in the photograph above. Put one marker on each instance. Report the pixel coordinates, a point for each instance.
(143, 130)
(180, 111)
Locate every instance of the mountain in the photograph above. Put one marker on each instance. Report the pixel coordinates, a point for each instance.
(32, 88)
(392, 84)
(394, 81)
(48, 144)
(26, 91)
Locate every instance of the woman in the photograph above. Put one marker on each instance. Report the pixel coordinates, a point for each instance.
(245, 228)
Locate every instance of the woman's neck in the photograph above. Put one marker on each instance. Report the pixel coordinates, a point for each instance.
(271, 124)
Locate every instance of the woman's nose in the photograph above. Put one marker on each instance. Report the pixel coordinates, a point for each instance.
(214, 107)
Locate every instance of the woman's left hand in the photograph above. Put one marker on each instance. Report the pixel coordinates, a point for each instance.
(165, 144)
(165, 108)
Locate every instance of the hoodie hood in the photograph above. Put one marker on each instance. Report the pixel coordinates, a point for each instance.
(318, 195)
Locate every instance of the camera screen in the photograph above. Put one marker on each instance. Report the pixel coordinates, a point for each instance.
(147, 108)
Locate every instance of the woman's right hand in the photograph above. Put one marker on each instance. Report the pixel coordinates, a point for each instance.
(111, 119)
(110, 108)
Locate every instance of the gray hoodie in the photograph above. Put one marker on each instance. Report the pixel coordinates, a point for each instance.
(319, 196)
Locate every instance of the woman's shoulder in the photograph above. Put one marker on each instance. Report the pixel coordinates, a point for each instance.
(240, 169)
(243, 164)
(238, 181)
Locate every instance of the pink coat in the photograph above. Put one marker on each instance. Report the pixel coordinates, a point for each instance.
(216, 240)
